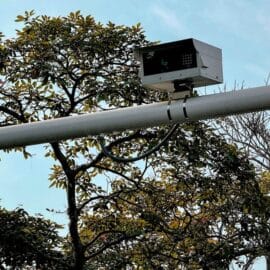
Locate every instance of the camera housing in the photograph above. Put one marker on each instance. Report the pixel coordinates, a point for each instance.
(180, 65)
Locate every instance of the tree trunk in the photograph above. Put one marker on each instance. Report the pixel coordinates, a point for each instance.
(267, 259)
(77, 247)
(78, 253)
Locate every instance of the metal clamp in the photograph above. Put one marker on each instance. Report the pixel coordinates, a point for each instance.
(169, 110)
(184, 107)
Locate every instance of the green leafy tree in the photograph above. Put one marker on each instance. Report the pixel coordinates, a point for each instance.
(187, 205)
(29, 241)
(57, 67)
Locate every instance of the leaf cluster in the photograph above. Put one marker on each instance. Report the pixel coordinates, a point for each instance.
(27, 240)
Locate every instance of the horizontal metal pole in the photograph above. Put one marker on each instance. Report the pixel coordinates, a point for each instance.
(178, 111)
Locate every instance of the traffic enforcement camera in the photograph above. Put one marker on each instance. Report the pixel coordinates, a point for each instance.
(180, 65)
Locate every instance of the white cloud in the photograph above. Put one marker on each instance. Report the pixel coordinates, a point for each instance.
(170, 19)
(241, 18)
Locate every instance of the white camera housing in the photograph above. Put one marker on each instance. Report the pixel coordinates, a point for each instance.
(188, 61)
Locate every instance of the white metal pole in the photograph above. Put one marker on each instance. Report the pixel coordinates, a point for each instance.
(178, 111)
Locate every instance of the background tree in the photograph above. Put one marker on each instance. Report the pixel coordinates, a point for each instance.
(189, 202)
(29, 241)
(250, 132)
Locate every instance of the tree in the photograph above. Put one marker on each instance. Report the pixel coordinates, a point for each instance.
(196, 204)
(27, 240)
(250, 132)
(185, 218)
(60, 66)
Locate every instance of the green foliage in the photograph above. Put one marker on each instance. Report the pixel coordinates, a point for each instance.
(27, 240)
(188, 215)
(26, 17)
(265, 183)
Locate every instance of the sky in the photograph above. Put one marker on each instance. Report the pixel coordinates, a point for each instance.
(240, 28)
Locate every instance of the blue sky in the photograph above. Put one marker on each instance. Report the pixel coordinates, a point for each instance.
(240, 28)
